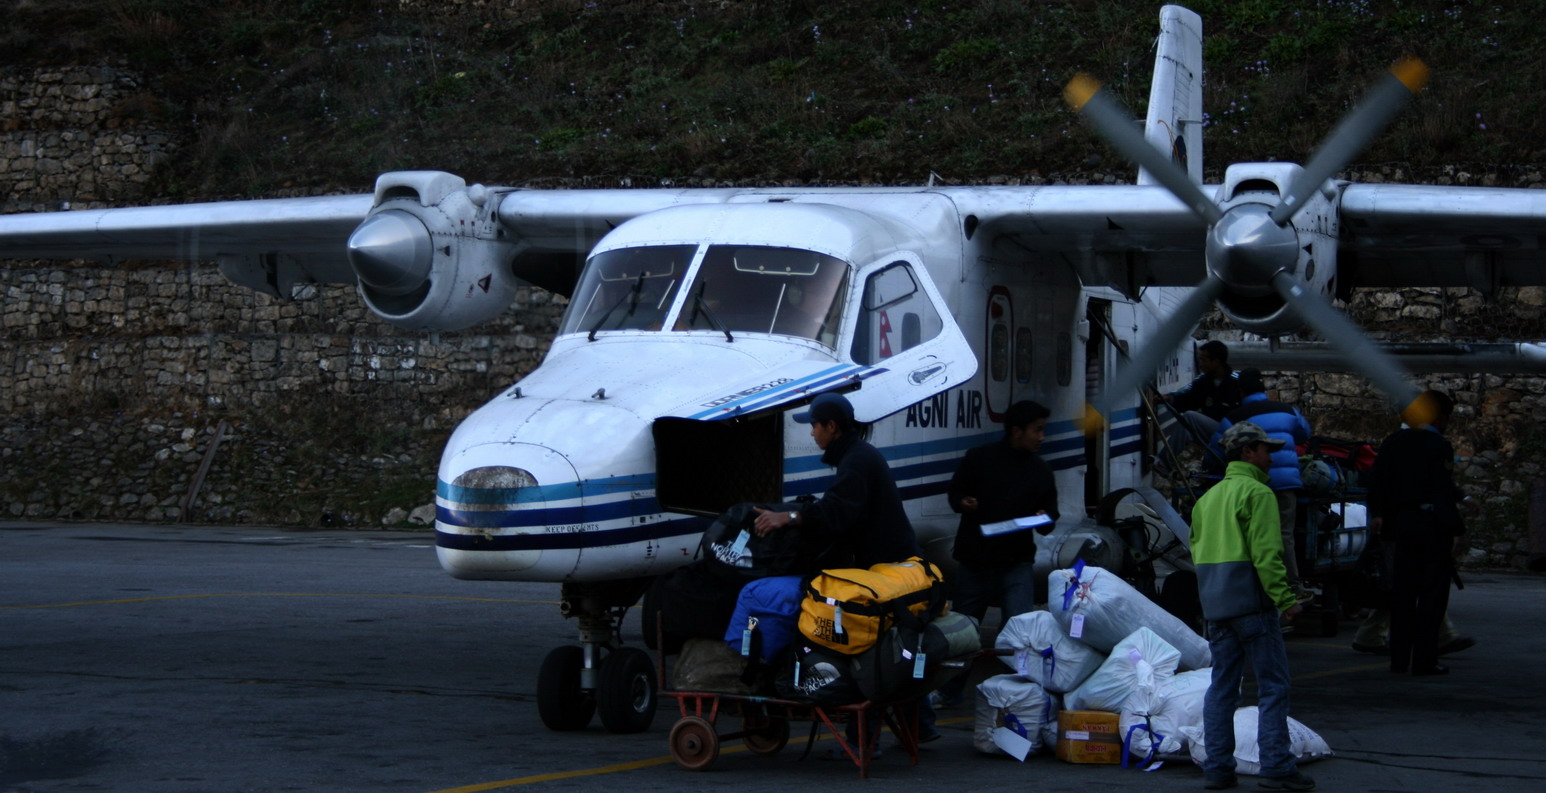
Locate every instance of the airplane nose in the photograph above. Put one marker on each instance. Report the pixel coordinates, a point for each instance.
(391, 252)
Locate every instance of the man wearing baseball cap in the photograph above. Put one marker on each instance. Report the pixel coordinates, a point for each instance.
(862, 508)
(1244, 589)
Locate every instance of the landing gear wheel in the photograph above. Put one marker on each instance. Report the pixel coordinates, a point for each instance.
(562, 704)
(694, 744)
(765, 735)
(625, 697)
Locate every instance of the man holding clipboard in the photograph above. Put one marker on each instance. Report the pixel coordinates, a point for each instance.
(1006, 495)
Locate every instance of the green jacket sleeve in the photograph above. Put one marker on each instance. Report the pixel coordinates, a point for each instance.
(1265, 540)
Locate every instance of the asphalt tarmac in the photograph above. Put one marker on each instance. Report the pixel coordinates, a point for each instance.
(160, 658)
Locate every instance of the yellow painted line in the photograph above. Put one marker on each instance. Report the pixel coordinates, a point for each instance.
(630, 766)
(272, 595)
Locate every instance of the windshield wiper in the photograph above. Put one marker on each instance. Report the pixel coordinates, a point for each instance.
(633, 292)
(698, 304)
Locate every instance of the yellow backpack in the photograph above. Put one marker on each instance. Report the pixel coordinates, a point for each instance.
(848, 609)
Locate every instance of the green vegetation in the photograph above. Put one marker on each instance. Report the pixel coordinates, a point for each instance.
(273, 94)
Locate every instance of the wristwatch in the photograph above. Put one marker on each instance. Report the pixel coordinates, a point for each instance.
(794, 516)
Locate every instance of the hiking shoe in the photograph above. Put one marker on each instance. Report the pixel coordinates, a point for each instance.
(1221, 783)
(1294, 781)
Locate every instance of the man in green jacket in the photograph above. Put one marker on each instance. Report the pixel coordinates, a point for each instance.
(1244, 588)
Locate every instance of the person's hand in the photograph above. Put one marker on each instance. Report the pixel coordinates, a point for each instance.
(1458, 547)
(769, 521)
(969, 504)
(1375, 524)
(1293, 611)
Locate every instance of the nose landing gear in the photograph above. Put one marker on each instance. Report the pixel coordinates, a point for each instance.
(599, 675)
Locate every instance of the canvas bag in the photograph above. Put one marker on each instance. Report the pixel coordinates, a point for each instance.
(904, 664)
(848, 609)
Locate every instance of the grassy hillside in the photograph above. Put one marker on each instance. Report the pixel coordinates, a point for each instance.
(313, 93)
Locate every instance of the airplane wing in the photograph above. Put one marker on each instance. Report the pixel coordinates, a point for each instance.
(1122, 236)
(1421, 235)
(304, 239)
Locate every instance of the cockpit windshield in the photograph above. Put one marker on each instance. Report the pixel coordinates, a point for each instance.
(761, 289)
(628, 288)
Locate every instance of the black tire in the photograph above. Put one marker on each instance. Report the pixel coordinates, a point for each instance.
(561, 703)
(625, 697)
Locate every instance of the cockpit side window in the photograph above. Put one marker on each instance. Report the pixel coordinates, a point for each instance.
(895, 315)
(628, 289)
(760, 289)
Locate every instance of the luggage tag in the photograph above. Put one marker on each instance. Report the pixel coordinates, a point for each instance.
(738, 549)
(837, 616)
(746, 639)
(1076, 626)
(919, 661)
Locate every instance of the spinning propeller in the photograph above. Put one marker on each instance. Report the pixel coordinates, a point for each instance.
(1253, 249)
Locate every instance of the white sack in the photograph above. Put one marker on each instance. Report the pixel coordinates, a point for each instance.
(1161, 709)
(1049, 731)
(1010, 695)
(1140, 659)
(1100, 609)
(1303, 742)
(1044, 653)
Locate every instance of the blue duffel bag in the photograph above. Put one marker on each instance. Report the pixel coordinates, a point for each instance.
(766, 613)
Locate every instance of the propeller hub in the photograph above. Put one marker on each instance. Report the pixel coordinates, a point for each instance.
(1246, 249)
(391, 252)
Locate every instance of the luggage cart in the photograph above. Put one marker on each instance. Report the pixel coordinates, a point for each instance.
(764, 722)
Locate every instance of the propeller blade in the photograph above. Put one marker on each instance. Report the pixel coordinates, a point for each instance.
(1389, 94)
(1106, 114)
(1349, 339)
(1142, 365)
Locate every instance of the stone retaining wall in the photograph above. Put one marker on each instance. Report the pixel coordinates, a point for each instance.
(117, 379)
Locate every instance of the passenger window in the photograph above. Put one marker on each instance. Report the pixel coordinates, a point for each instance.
(894, 315)
(1023, 356)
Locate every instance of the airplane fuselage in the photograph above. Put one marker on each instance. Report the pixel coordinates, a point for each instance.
(691, 315)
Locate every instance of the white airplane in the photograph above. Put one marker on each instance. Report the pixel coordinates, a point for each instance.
(699, 317)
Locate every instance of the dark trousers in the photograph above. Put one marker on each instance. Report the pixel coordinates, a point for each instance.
(1422, 567)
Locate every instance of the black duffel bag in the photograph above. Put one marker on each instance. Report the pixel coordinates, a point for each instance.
(732, 548)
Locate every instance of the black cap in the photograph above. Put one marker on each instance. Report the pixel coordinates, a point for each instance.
(1250, 381)
(828, 407)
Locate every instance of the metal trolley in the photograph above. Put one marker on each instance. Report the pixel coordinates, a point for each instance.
(764, 722)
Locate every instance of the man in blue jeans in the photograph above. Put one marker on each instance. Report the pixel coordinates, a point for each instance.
(1244, 588)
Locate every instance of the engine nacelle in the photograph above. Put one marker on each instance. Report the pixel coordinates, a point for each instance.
(1307, 249)
(431, 255)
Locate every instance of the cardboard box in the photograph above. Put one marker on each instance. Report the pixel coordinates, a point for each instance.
(1089, 736)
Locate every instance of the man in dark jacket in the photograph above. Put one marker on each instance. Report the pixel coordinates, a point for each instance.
(862, 507)
(1413, 505)
(1285, 423)
(995, 482)
(1202, 403)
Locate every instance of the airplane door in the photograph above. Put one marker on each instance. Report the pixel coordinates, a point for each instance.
(902, 327)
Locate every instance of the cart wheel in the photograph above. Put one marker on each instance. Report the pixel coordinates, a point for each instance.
(765, 735)
(694, 744)
(625, 698)
(562, 704)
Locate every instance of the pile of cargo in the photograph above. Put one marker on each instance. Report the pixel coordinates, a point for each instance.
(1105, 675)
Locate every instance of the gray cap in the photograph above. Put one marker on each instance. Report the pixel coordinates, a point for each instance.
(828, 407)
(1245, 433)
